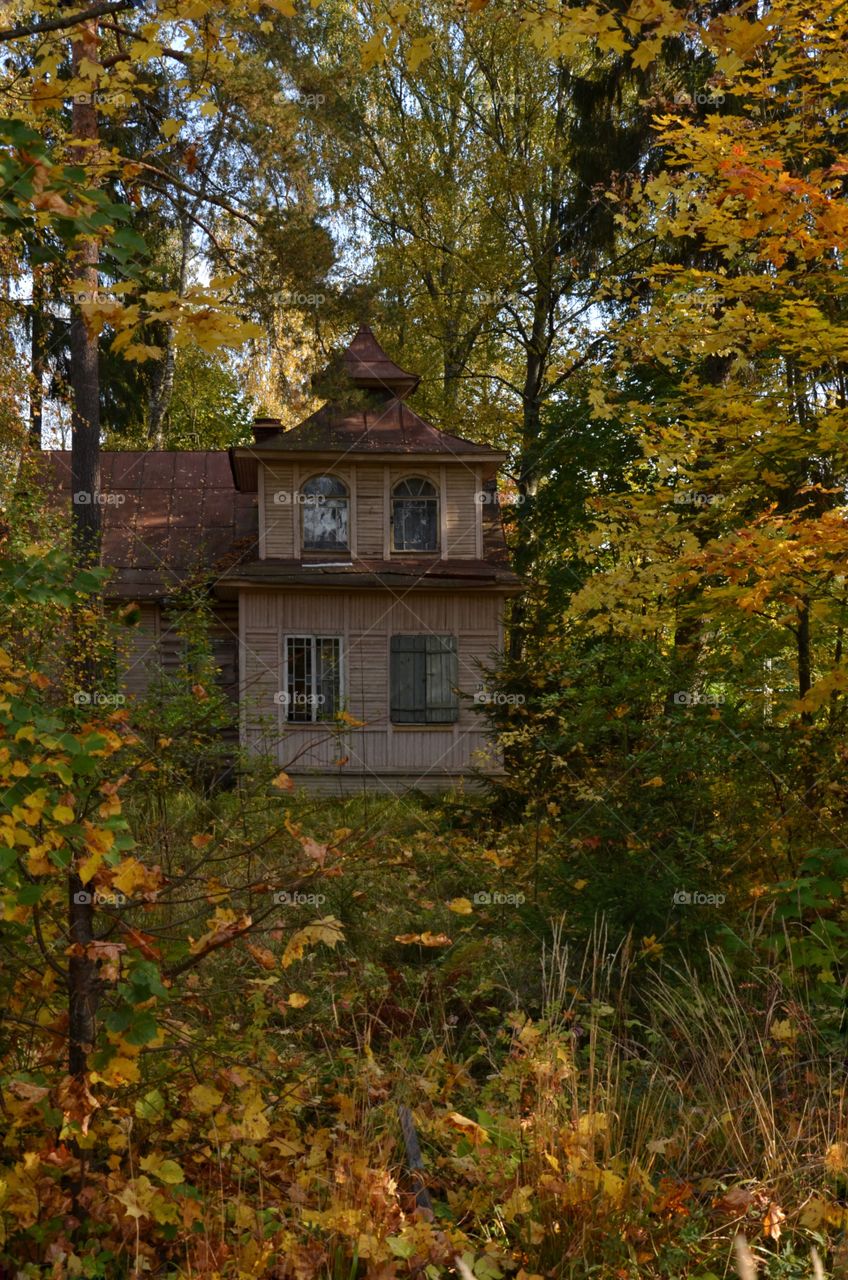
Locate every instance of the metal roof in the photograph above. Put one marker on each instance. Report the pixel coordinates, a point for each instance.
(167, 515)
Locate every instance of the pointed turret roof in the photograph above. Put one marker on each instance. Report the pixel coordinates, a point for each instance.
(367, 365)
(385, 425)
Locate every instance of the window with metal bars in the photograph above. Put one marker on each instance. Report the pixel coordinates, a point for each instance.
(313, 678)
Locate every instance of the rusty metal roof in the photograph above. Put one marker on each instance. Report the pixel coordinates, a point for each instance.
(367, 365)
(166, 515)
(359, 574)
(388, 429)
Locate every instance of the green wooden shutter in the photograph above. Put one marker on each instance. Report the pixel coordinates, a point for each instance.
(424, 676)
(442, 676)
(409, 680)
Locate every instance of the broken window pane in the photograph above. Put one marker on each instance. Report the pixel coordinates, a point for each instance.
(325, 514)
(415, 516)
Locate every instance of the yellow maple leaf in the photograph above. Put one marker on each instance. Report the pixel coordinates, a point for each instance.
(89, 867)
(460, 906)
(167, 1171)
(205, 1099)
(131, 875)
(347, 718)
(327, 930)
(470, 1129)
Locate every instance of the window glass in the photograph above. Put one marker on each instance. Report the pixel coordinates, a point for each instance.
(313, 671)
(325, 513)
(415, 515)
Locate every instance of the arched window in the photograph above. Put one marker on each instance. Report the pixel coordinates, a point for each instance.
(415, 515)
(325, 514)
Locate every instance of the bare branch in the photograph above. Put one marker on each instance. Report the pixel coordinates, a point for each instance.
(72, 20)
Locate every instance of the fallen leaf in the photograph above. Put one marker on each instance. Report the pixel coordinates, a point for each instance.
(771, 1222)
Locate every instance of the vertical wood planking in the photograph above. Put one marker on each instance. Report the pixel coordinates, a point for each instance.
(279, 516)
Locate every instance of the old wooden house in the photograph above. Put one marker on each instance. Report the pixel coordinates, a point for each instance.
(359, 572)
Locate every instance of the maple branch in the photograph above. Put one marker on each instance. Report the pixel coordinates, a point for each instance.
(191, 191)
(227, 940)
(72, 20)
(177, 54)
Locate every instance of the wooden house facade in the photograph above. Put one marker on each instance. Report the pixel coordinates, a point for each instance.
(359, 573)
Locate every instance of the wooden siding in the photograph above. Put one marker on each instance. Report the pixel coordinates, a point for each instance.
(370, 485)
(365, 621)
(139, 653)
(154, 645)
(463, 512)
(276, 517)
(371, 517)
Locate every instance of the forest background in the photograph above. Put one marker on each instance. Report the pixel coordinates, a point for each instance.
(606, 997)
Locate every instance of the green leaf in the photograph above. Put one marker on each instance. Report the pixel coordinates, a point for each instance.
(143, 1029)
(151, 1106)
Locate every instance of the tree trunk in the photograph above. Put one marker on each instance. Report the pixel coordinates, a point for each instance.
(85, 380)
(804, 646)
(162, 388)
(86, 538)
(82, 977)
(37, 333)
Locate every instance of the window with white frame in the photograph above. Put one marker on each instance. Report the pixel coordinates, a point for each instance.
(312, 678)
(415, 515)
(326, 504)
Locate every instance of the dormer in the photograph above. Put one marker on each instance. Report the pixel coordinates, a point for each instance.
(368, 480)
